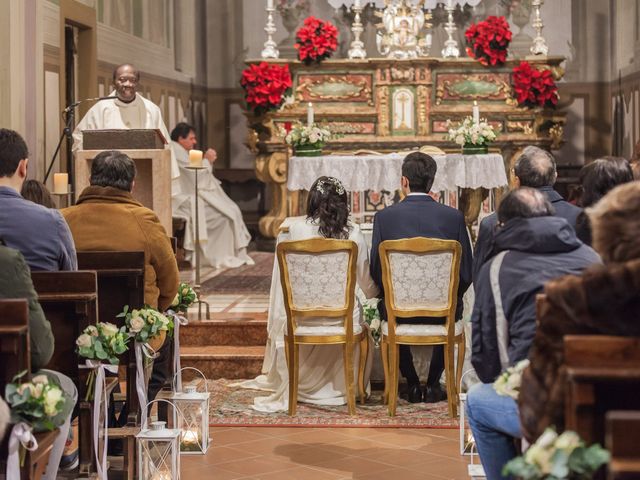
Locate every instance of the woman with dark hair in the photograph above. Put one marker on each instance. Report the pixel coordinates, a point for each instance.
(37, 192)
(597, 179)
(321, 370)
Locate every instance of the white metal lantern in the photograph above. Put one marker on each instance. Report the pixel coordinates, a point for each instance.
(158, 451)
(193, 420)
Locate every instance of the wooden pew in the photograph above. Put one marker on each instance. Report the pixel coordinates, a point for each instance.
(15, 356)
(603, 374)
(622, 441)
(69, 301)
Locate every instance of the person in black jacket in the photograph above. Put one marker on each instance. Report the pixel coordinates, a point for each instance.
(535, 168)
(418, 215)
(532, 247)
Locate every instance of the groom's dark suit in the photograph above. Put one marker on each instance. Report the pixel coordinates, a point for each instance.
(421, 216)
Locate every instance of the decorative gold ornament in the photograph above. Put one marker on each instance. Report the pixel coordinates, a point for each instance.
(383, 111)
(556, 132)
(423, 99)
(399, 34)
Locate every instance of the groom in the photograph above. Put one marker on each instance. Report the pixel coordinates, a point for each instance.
(418, 215)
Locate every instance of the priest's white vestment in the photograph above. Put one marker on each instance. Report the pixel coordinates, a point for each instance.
(223, 235)
(116, 114)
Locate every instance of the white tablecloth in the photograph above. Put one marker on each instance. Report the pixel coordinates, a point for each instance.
(383, 172)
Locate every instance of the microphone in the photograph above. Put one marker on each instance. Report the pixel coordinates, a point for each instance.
(96, 99)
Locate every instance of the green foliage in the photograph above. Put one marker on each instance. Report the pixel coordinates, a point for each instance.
(184, 298)
(146, 323)
(104, 342)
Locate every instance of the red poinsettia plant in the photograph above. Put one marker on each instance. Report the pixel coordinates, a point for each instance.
(488, 40)
(316, 40)
(265, 86)
(534, 87)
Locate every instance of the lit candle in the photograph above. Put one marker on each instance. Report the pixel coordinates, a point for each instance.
(195, 158)
(189, 436)
(310, 114)
(270, 4)
(476, 112)
(61, 183)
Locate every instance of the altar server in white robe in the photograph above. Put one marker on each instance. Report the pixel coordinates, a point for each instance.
(128, 110)
(321, 370)
(224, 237)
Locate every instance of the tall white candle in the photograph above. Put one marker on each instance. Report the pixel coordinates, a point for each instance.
(476, 112)
(195, 158)
(61, 183)
(270, 4)
(356, 3)
(310, 114)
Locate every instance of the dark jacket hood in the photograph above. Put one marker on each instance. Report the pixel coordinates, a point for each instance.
(537, 235)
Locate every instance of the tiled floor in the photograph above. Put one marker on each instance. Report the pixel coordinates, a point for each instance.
(328, 453)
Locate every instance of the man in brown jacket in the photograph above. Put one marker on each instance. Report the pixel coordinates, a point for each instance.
(106, 217)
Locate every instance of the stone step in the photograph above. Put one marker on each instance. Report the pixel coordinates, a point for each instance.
(224, 332)
(223, 361)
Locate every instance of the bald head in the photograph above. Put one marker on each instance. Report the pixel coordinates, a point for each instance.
(535, 168)
(524, 202)
(125, 81)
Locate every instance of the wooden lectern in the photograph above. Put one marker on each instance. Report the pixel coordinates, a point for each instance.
(153, 164)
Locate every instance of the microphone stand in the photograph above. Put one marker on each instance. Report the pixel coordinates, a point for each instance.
(66, 133)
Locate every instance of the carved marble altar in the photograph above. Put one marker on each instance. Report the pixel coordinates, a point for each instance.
(389, 105)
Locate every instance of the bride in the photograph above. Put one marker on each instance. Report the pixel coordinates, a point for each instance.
(321, 372)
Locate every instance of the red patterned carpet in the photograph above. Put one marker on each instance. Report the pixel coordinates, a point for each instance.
(248, 279)
(230, 406)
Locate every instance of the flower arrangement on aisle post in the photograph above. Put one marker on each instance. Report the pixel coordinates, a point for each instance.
(316, 40)
(265, 86)
(372, 317)
(508, 383)
(489, 40)
(534, 87)
(147, 325)
(40, 403)
(184, 298)
(556, 457)
(473, 137)
(103, 342)
(308, 140)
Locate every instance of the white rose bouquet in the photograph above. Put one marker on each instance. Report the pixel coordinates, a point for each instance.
(304, 135)
(470, 133)
(508, 383)
(146, 323)
(184, 298)
(40, 403)
(103, 341)
(372, 317)
(556, 457)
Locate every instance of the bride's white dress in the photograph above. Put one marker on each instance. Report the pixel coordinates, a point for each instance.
(321, 371)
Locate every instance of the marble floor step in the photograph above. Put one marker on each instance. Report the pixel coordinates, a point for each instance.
(224, 361)
(224, 332)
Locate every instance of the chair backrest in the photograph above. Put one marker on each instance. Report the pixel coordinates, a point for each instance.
(318, 278)
(15, 356)
(420, 277)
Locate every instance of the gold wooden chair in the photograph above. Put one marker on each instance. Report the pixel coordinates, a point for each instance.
(318, 279)
(420, 279)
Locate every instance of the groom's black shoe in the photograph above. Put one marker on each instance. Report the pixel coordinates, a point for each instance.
(434, 394)
(414, 393)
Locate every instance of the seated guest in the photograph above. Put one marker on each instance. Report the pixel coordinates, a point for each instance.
(596, 180)
(37, 192)
(418, 215)
(535, 248)
(15, 282)
(223, 235)
(603, 301)
(39, 233)
(107, 217)
(535, 168)
(321, 370)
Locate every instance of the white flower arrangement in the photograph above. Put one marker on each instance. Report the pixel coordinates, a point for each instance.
(508, 383)
(558, 457)
(470, 133)
(103, 341)
(145, 323)
(185, 297)
(308, 135)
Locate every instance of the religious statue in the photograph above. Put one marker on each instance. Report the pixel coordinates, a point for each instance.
(402, 23)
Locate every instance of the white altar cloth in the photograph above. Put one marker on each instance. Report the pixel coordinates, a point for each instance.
(383, 172)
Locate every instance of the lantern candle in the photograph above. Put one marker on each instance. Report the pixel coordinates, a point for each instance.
(61, 183)
(310, 114)
(195, 158)
(476, 112)
(270, 4)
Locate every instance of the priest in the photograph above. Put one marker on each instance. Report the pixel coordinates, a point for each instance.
(128, 109)
(223, 236)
